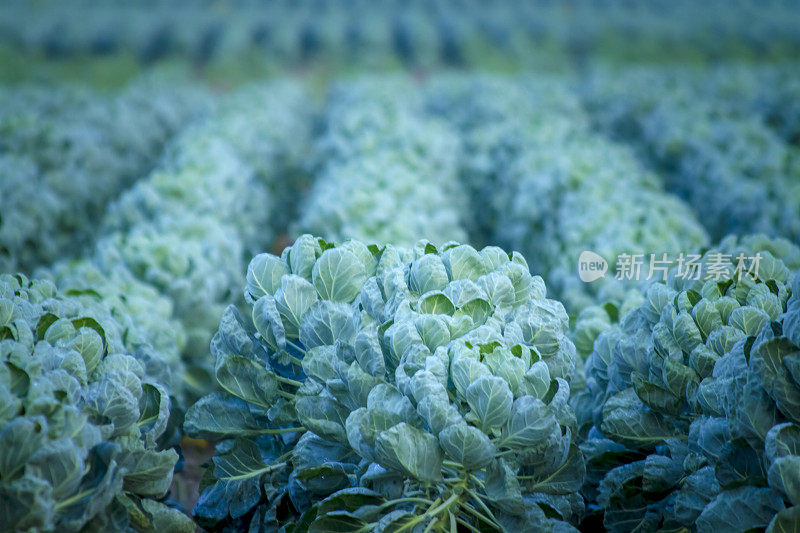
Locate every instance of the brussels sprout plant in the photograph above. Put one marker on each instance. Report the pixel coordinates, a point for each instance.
(694, 399)
(373, 387)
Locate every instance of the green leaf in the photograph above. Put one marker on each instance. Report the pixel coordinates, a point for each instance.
(167, 519)
(349, 499)
(428, 273)
(786, 521)
(395, 521)
(401, 338)
(625, 419)
(294, 297)
(679, 378)
(467, 445)
(147, 472)
(748, 319)
(238, 474)
(246, 379)
(363, 427)
(490, 399)
(60, 463)
(686, 332)
(264, 275)
(512, 370)
(312, 450)
(784, 477)
(44, 323)
(337, 522)
(434, 331)
(27, 504)
(89, 344)
(767, 362)
(463, 262)
(530, 422)
(493, 258)
(303, 254)
(324, 416)
(722, 339)
(612, 311)
(339, 275)
(321, 363)
(102, 481)
(707, 317)
(220, 416)
(325, 323)
(498, 288)
(438, 413)
(740, 509)
(388, 399)
(89, 322)
(366, 254)
(657, 398)
(324, 480)
(268, 323)
(368, 352)
(410, 450)
(521, 279)
(502, 488)
(464, 371)
(566, 479)
(702, 361)
(6, 311)
(537, 379)
(693, 297)
(782, 440)
(154, 411)
(435, 303)
(19, 439)
(478, 310)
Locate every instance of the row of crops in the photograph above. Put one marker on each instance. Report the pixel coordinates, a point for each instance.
(287, 276)
(416, 33)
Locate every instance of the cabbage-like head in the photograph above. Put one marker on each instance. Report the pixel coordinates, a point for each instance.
(409, 380)
(80, 419)
(697, 379)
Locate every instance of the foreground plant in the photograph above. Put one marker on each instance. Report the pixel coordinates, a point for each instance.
(80, 418)
(692, 403)
(375, 388)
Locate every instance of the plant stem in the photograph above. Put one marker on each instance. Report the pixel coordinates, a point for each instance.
(479, 515)
(467, 525)
(288, 381)
(294, 360)
(404, 500)
(477, 480)
(478, 499)
(281, 430)
(445, 505)
(296, 347)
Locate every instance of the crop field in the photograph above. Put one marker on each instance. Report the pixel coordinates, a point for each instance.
(352, 266)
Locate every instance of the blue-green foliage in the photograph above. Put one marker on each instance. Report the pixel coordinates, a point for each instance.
(691, 409)
(65, 153)
(735, 171)
(187, 228)
(390, 387)
(543, 182)
(81, 418)
(415, 33)
(384, 172)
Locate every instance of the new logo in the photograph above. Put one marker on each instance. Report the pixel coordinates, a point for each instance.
(591, 266)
